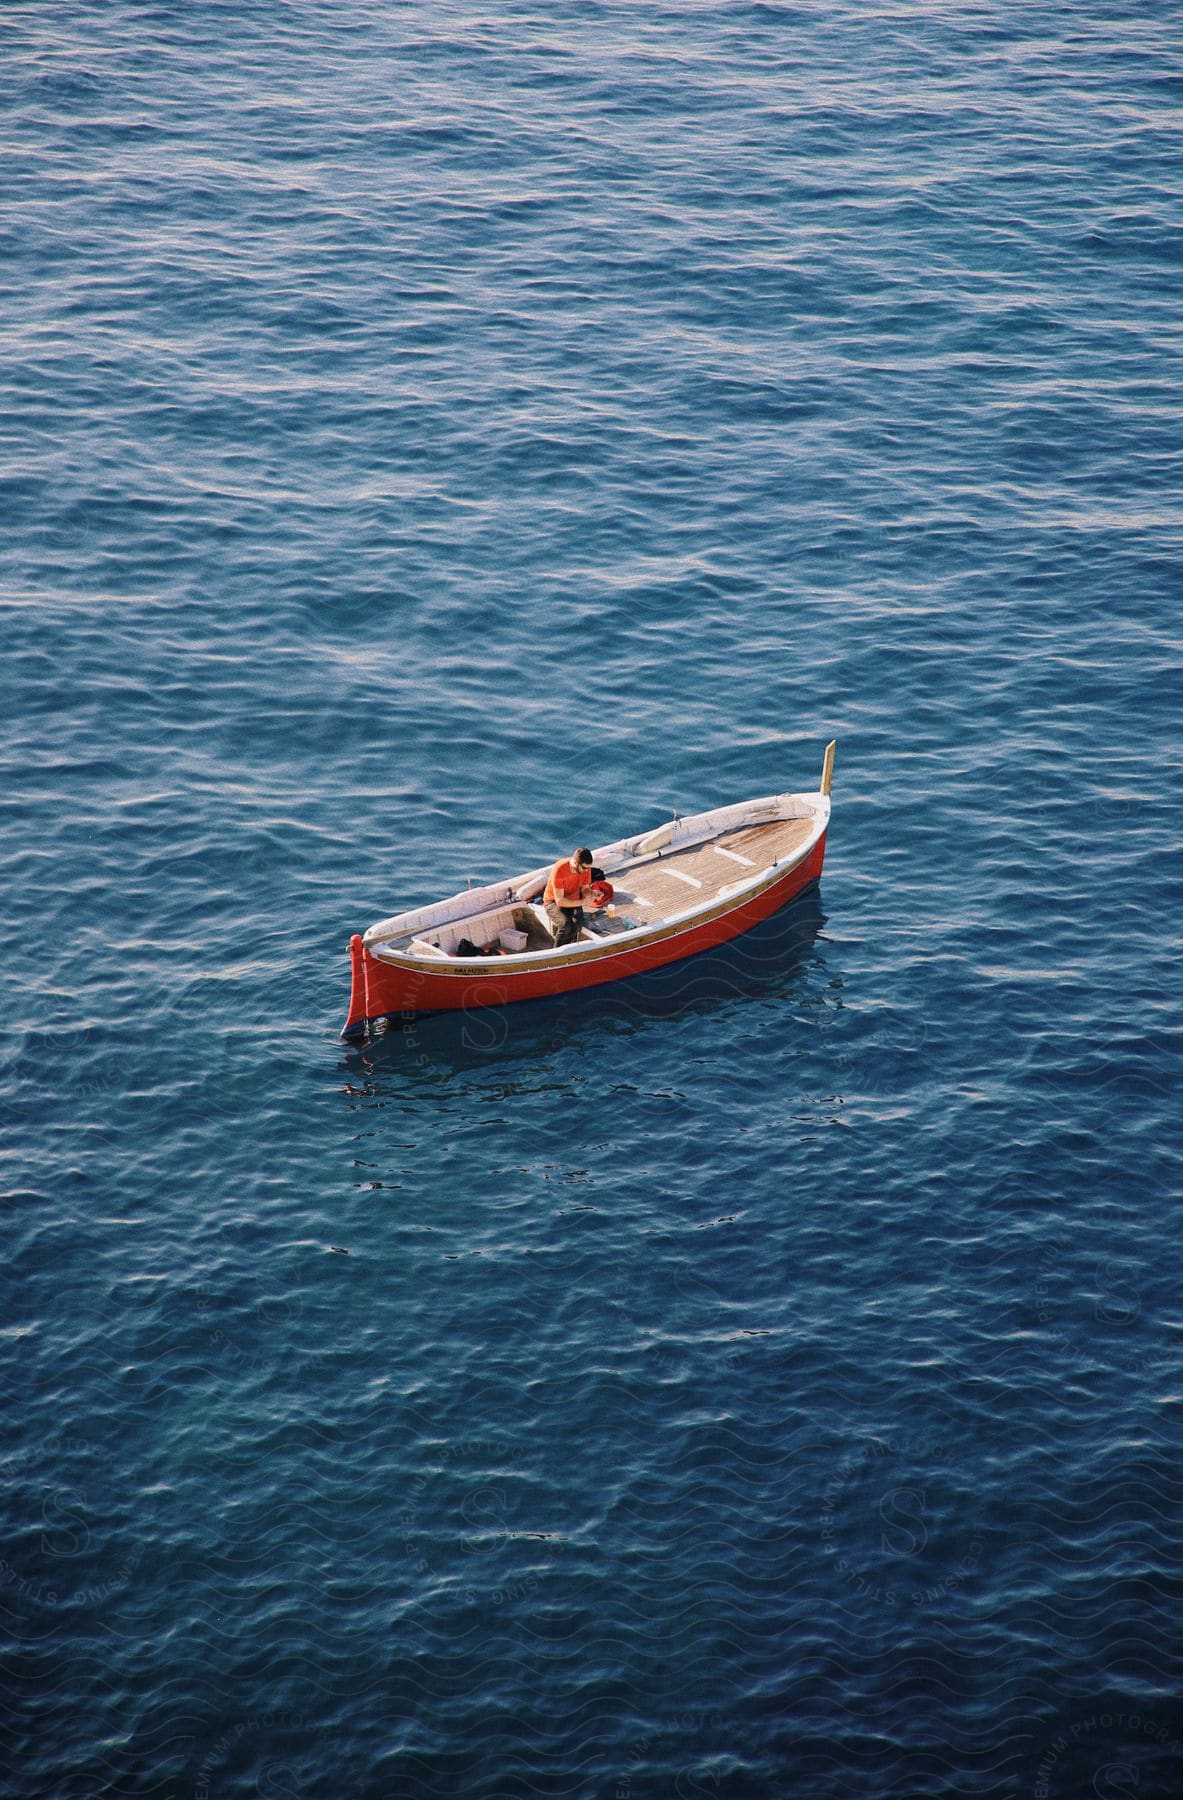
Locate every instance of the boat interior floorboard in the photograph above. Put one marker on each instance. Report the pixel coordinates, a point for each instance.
(679, 878)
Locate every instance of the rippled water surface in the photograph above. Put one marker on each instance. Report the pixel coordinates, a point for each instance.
(431, 436)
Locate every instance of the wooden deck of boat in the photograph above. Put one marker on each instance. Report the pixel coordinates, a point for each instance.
(681, 878)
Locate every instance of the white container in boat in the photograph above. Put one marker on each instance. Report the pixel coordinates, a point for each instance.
(514, 940)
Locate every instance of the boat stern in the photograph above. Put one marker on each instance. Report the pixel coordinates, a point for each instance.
(355, 1025)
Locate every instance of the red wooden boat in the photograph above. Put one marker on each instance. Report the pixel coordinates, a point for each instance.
(688, 886)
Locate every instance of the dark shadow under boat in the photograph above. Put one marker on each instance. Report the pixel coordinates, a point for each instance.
(767, 961)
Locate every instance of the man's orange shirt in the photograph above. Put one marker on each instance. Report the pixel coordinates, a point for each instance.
(567, 884)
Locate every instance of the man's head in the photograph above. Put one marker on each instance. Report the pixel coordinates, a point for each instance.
(582, 858)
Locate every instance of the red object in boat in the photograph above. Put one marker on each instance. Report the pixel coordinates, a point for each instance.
(601, 894)
(688, 886)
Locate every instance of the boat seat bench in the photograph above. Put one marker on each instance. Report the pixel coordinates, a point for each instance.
(483, 929)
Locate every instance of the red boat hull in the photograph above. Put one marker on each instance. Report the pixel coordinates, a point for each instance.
(383, 990)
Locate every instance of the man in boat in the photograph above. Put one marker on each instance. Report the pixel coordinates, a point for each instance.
(569, 881)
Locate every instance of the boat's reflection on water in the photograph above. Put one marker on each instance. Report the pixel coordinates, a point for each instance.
(769, 961)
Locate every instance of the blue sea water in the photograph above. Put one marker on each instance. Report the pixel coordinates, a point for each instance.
(435, 434)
